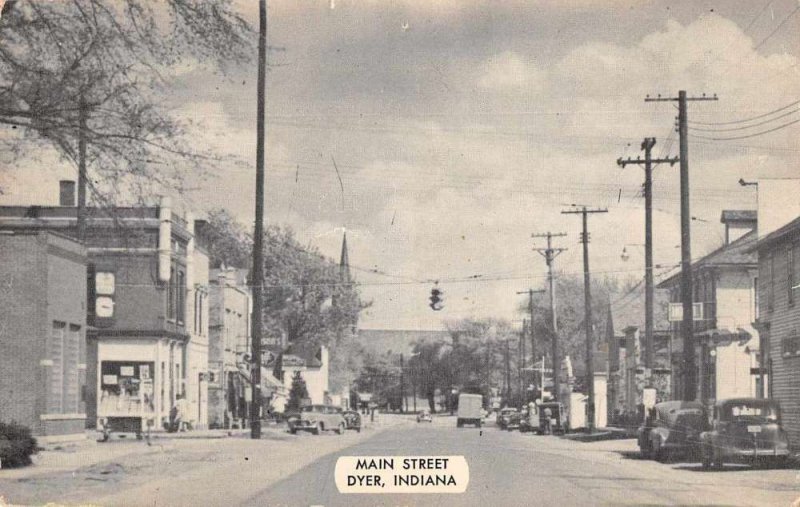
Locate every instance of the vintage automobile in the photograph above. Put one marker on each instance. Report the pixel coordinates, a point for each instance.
(745, 430)
(672, 427)
(505, 416)
(318, 418)
(424, 416)
(352, 420)
(552, 418)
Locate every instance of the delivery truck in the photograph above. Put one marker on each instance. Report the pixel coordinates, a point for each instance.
(470, 410)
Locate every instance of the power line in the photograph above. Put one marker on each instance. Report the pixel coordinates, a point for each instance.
(777, 28)
(779, 127)
(745, 127)
(747, 120)
(760, 12)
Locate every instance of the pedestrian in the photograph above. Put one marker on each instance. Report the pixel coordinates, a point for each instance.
(548, 415)
(177, 414)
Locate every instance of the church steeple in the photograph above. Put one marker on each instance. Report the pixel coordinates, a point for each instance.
(344, 261)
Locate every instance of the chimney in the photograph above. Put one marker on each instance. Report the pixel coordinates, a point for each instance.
(66, 193)
(738, 222)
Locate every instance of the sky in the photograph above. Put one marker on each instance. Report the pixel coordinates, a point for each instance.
(460, 128)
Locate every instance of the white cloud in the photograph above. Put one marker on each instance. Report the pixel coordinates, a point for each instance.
(508, 71)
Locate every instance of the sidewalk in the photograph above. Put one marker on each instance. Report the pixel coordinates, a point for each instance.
(60, 457)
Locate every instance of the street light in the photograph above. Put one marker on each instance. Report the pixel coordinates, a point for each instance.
(625, 255)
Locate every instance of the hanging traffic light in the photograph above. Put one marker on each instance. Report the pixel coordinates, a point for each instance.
(437, 299)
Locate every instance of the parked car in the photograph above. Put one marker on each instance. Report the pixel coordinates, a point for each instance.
(672, 427)
(352, 420)
(552, 418)
(424, 416)
(745, 430)
(469, 410)
(318, 418)
(505, 416)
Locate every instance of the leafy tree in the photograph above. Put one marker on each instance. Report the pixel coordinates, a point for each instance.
(307, 300)
(107, 61)
(472, 361)
(228, 241)
(570, 312)
(297, 393)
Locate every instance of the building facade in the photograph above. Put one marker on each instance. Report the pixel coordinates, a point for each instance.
(725, 342)
(142, 349)
(43, 332)
(229, 349)
(779, 319)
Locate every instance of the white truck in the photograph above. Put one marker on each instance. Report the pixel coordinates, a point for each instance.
(470, 410)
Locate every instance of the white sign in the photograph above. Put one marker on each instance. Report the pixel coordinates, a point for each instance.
(401, 474)
(676, 312)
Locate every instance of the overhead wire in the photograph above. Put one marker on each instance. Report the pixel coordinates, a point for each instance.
(747, 136)
(747, 120)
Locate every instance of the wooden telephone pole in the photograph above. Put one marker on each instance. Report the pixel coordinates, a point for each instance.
(647, 146)
(587, 302)
(550, 255)
(257, 278)
(689, 373)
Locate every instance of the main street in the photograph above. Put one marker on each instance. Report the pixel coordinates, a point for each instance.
(509, 468)
(506, 468)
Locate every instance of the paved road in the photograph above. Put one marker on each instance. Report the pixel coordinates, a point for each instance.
(523, 469)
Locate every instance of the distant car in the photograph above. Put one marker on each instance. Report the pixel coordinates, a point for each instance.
(318, 418)
(505, 416)
(424, 416)
(745, 430)
(352, 420)
(672, 427)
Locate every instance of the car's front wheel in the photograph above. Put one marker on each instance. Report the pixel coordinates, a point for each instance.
(318, 429)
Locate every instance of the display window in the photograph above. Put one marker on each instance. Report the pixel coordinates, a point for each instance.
(126, 388)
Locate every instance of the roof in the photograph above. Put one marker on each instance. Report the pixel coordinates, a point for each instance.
(739, 253)
(739, 215)
(793, 226)
(628, 310)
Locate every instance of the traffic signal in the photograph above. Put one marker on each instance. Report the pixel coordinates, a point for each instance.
(437, 299)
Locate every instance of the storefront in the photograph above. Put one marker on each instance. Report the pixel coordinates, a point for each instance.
(138, 383)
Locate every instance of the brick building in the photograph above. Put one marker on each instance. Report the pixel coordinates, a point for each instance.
(43, 332)
(144, 345)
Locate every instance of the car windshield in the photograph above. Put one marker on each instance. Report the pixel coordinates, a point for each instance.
(312, 408)
(751, 412)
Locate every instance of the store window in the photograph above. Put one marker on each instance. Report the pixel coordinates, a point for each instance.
(126, 388)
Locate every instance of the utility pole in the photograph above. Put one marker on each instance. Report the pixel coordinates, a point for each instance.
(647, 146)
(587, 302)
(530, 293)
(521, 362)
(688, 374)
(257, 280)
(508, 372)
(550, 255)
(403, 404)
(82, 179)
